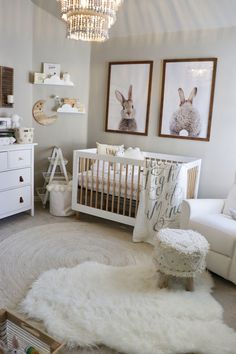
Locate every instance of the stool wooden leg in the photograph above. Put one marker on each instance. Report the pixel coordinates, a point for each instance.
(163, 280)
(189, 284)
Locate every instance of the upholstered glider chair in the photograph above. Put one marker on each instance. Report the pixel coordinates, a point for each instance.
(214, 219)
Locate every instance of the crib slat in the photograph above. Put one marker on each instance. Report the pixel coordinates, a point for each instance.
(189, 184)
(86, 184)
(119, 188)
(126, 181)
(138, 191)
(102, 193)
(114, 187)
(195, 175)
(108, 185)
(97, 185)
(192, 176)
(91, 192)
(131, 191)
(82, 179)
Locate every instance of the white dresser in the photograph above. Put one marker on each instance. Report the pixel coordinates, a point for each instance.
(16, 179)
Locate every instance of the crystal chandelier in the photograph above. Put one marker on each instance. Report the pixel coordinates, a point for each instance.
(89, 20)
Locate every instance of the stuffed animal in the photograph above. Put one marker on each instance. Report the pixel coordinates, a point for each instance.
(16, 121)
(128, 121)
(186, 120)
(15, 347)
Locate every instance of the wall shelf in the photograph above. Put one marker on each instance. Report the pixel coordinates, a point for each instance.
(64, 112)
(54, 84)
(71, 106)
(41, 79)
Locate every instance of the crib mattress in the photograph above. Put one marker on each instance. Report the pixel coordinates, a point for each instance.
(117, 185)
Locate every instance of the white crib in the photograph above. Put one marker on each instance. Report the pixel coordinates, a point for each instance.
(109, 186)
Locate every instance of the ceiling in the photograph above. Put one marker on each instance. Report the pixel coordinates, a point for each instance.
(138, 17)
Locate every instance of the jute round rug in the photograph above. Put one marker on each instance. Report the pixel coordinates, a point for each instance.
(29, 253)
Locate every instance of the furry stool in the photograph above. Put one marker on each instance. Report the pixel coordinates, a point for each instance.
(179, 253)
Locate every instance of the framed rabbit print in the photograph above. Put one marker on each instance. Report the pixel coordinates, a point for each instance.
(187, 98)
(128, 97)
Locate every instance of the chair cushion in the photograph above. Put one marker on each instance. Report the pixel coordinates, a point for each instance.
(219, 230)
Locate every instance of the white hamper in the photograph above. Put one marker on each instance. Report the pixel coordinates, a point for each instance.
(60, 198)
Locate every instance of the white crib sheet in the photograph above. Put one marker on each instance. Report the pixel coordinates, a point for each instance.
(95, 181)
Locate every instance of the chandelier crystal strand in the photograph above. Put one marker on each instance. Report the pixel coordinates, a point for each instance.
(89, 20)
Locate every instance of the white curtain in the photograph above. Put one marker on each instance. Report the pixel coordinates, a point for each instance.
(164, 188)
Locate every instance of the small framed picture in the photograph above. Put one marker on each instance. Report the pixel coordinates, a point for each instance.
(39, 78)
(128, 97)
(187, 98)
(50, 69)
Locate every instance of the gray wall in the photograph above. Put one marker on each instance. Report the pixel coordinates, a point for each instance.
(30, 36)
(219, 159)
(50, 46)
(16, 52)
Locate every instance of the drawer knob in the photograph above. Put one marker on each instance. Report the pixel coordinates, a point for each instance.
(21, 179)
(20, 158)
(21, 200)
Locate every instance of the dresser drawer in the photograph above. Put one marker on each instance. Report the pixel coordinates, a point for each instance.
(3, 161)
(15, 199)
(15, 178)
(19, 158)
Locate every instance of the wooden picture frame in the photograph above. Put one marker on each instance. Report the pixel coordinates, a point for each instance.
(128, 97)
(187, 117)
(6, 86)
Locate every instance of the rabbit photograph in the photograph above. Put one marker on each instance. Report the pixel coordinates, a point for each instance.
(187, 98)
(186, 121)
(128, 121)
(128, 97)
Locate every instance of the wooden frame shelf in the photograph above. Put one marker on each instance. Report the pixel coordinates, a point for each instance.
(51, 84)
(64, 112)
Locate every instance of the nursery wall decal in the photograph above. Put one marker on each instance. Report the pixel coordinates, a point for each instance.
(128, 97)
(187, 98)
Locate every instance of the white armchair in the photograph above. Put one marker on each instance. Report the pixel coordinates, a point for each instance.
(206, 217)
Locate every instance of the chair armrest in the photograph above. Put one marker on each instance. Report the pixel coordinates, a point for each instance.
(193, 207)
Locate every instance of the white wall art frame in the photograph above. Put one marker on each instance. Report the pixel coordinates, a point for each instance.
(50, 69)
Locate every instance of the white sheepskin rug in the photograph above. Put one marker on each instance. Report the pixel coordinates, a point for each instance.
(123, 308)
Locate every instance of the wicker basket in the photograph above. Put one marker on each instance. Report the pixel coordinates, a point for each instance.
(24, 135)
(27, 335)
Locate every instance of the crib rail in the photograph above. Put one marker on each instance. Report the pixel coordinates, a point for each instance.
(109, 186)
